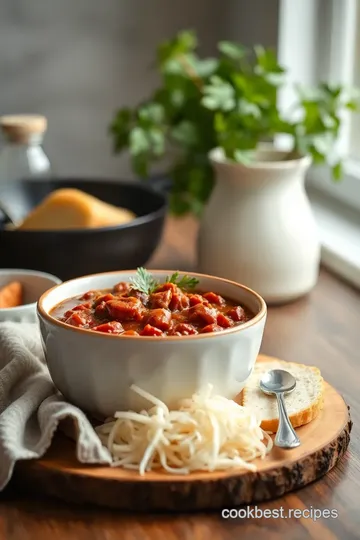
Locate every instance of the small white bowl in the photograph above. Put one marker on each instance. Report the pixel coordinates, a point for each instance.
(35, 284)
(95, 370)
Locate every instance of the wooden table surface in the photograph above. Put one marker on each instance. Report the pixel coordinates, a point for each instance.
(322, 329)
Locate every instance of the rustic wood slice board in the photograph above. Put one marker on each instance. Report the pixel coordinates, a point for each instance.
(324, 441)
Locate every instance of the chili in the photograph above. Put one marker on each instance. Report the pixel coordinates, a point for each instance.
(167, 311)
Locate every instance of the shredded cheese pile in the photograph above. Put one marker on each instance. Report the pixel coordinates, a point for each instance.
(205, 433)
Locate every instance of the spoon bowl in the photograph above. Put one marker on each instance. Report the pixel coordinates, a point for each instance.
(277, 380)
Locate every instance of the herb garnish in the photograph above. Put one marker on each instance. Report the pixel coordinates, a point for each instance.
(146, 283)
(185, 282)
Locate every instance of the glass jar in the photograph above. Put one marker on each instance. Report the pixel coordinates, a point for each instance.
(22, 156)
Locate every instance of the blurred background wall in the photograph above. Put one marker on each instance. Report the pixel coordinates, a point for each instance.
(77, 61)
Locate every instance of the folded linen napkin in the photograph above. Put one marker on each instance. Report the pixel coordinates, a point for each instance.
(30, 406)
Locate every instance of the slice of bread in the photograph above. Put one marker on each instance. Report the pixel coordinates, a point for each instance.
(11, 295)
(303, 404)
(69, 208)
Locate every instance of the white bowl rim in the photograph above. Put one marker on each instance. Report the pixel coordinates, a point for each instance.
(52, 320)
(22, 271)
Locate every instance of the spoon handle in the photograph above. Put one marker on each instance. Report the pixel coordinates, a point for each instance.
(285, 436)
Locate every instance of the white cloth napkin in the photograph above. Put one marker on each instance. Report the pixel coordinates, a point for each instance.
(30, 406)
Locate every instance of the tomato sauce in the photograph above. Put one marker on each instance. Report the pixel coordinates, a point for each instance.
(167, 311)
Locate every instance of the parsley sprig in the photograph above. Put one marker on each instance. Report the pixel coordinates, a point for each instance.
(185, 282)
(229, 101)
(146, 283)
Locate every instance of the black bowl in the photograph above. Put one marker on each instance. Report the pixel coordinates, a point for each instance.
(73, 253)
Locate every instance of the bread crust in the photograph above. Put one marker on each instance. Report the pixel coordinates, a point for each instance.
(302, 417)
(11, 295)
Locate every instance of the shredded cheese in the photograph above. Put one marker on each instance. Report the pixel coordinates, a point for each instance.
(205, 433)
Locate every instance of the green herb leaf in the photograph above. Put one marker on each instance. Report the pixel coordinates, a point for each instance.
(138, 141)
(337, 171)
(352, 105)
(267, 61)
(207, 67)
(157, 141)
(152, 113)
(243, 157)
(185, 133)
(144, 281)
(185, 282)
(232, 50)
(184, 42)
(246, 108)
(218, 94)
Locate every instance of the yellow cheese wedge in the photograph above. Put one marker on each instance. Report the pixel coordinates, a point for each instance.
(74, 209)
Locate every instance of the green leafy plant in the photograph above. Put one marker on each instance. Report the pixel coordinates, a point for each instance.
(228, 102)
(144, 281)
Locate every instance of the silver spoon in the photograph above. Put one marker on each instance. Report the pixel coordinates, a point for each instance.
(278, 381)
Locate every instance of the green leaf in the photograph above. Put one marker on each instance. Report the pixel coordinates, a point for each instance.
(275, 79)
(179, 204)
(157, 141)
(352, 105)
(140, 164)
(143, 281)
(187, 40)
(220, 122)
(267, 61)
(177, 97)
(317, 157)
(218, 94)
(323, 143)
(243, 157)
(120, 128)
(185, 282)
(308, 94)
(244, 107)
(334, 91)
(210, 102)
(329, 121)
(232, 50)
(337, 171)
(184, 42)
(122, 118)
(152, 113)
(185, 133)
(206, 68)
(139, 142)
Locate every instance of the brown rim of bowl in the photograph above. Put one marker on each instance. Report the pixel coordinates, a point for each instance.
(89, 332)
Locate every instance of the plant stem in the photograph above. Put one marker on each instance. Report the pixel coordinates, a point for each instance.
(191, 72)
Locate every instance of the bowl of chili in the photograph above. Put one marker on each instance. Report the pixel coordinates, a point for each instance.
(167, 332)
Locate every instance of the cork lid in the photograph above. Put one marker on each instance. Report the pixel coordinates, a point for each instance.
(20, 127)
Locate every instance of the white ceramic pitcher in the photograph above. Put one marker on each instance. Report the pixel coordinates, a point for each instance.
(258, 228)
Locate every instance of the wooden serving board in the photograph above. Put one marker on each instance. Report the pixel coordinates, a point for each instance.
(324, 441)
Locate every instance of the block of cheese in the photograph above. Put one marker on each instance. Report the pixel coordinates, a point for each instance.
(73, 209)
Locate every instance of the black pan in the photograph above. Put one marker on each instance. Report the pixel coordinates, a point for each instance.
(73, 253)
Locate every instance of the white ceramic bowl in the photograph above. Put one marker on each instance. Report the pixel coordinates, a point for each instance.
(35, 284)
(95, 371)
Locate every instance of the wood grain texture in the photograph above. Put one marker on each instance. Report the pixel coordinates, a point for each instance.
(321, 329)
(323, 442)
